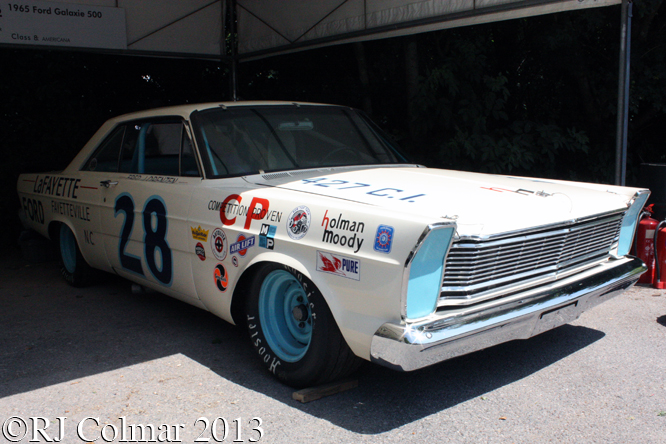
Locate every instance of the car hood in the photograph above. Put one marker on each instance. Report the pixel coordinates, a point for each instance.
(481, 204)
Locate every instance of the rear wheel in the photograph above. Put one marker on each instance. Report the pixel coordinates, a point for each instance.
(293, 330)
(74, 267)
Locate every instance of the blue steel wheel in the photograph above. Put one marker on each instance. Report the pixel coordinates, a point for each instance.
(74, 267)
(286, 315)
(292, 329)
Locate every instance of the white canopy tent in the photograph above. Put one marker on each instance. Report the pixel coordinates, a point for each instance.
(196, 28)
(267, 27)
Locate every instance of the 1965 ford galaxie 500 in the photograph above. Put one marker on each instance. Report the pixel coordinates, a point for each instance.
(304, 224)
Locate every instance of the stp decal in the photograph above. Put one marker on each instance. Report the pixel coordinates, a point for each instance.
(384, 239)
(267, 236)
(200, 251)
(338, 265)
(241, 245)
(298, 222)
(218, 243)
(221, 277)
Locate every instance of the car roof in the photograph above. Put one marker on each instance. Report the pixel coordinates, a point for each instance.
(187, 109)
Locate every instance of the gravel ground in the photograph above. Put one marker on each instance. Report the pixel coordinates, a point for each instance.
(106, 360)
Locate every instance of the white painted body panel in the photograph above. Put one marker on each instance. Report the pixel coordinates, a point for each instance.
(406, 198)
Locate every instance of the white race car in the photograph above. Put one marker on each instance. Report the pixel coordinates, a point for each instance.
(302, 222)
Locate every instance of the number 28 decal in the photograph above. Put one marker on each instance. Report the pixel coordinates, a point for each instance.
(154, 238)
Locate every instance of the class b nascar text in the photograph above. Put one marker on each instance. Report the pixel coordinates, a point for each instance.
(92, 429)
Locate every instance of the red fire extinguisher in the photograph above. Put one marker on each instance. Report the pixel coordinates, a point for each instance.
(645, 235)
(660, 255)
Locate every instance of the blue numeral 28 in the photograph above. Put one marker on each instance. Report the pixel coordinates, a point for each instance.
(154, 238)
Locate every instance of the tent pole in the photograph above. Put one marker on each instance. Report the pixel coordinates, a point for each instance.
(623, 95)
(234, 50)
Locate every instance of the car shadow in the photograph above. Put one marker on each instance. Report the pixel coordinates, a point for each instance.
(54, 333)
(661, 320)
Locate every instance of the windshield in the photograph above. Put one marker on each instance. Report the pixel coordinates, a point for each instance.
(249, 140)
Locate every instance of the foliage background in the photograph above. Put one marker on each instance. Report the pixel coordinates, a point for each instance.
(535, 96)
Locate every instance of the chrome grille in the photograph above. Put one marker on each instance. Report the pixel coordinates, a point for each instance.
(481, 269)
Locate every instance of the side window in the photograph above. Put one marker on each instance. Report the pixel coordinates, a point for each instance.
(106, 155)
(158, 147)
(161, 148)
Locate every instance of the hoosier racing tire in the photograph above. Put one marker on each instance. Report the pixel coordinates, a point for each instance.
(293, 331)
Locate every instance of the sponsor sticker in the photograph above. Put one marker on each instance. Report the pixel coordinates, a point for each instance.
(231, 208)
(298, 222)
(384, 239)
(343, 232)
(199, 234)
(218, 243)
(339, 265)
(234, 260)
(267, 236)
(221, 277)
(241, 245)
(200, 251)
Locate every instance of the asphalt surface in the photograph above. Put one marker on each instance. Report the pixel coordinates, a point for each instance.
(103, 355)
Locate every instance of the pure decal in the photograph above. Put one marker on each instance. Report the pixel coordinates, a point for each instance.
(339, 265)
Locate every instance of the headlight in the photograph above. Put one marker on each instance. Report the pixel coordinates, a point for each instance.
(630, 221)
(425, 268)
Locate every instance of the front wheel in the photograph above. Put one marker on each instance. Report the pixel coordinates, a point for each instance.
(74, 267)
(293, 331)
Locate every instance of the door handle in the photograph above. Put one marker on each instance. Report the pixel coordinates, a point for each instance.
(108, 183)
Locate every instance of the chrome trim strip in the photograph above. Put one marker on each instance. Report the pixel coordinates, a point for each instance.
(412, 345)
(562, 224)
(634, 198)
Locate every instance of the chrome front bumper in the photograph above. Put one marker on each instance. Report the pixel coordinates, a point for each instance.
(447, 334)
